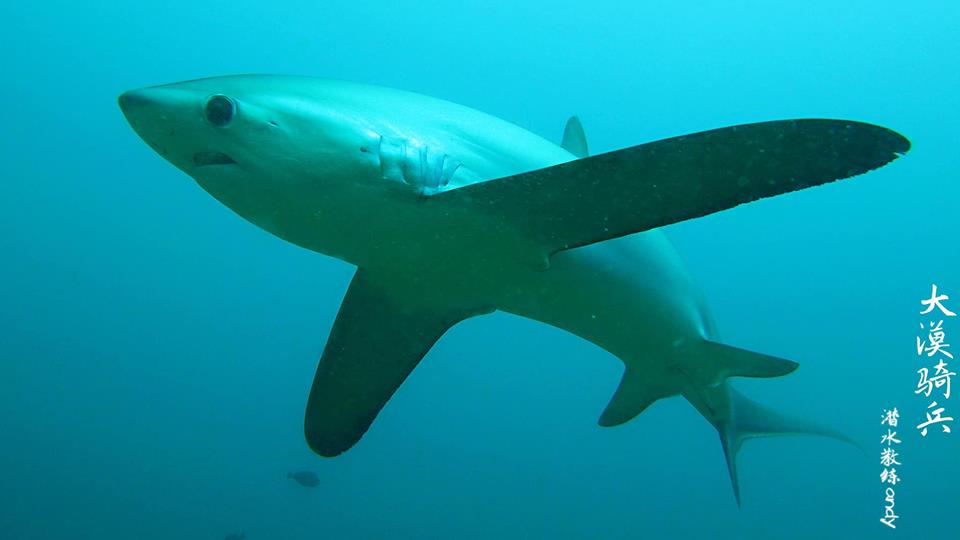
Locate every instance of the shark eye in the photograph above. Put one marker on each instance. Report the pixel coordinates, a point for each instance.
(220, 110)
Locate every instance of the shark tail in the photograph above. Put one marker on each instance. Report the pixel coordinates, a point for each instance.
(698, 364)
(745, 419)
(702, 368)
(736, 417)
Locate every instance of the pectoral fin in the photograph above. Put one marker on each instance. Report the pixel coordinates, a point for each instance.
(376, 341)
(651, 185)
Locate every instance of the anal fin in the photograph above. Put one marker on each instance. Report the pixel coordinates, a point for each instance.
(632, 397)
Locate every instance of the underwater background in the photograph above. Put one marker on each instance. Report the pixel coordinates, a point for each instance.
(156, 350)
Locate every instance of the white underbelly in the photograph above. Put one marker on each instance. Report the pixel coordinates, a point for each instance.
(631, 296)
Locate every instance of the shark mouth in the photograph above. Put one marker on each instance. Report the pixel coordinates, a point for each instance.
(203, 159)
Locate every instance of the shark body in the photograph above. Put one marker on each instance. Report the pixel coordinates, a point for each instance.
(450, 213)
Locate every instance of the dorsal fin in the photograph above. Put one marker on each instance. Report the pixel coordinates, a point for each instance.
(574, 139)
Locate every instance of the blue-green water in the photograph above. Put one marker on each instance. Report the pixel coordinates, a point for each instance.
(156, 350)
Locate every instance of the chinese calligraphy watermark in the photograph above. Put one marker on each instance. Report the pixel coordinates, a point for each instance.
(936, 348)
(888, 458)
(934, 383)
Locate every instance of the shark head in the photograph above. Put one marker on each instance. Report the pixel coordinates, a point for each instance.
(235, 132)
(258, 144)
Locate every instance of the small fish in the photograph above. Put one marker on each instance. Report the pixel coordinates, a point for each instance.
(305, 478)
(240, 536)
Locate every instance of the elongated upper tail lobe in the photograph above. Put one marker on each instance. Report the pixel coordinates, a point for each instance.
(738, 418)
(700, 374)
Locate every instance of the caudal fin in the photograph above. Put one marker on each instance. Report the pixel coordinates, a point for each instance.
(696, 364)
(699, 370)
(747, 419)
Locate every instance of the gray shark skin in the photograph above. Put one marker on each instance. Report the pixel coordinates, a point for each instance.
(450, 213)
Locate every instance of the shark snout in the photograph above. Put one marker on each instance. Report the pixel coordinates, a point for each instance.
(132, 99)
(147, 104)
(155, 114)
